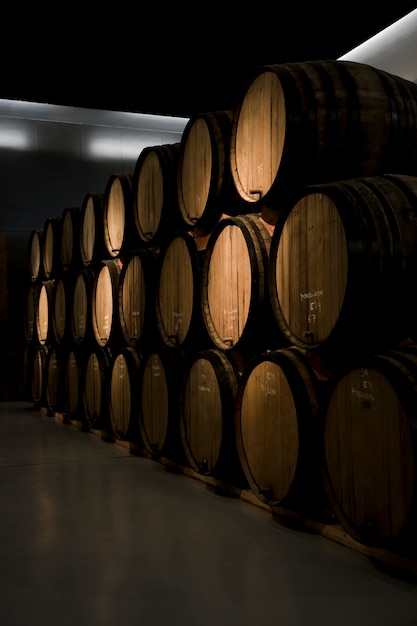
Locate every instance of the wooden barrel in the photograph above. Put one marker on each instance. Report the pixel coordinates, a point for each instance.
(73, 383)
(104, 303)
(35, 250)
(136, 300)
(158, 390)
(370, 448)
(61, 291)
(343, 264)
(96, 387)
(80, 306)
(204, 179)
(234, 284)
(207, 394)
(36, 361)
(70, 239)
(91, 232)
(278, 430)
(311, 122)
(123, 395)
(51, 247)
(43, 316)
(53, 380)
(178, 289)
(31, 373)
(155, 204)
(118, 214)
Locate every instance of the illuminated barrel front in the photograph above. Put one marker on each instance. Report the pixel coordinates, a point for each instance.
(204, 180)
(104, 303)
(311, 122)
(342, 265)
(118, 214)
(59, 309)
(278, 430)
(155, 204)
(91, 231)
(136, 298)
(35, 264)
(234, 284)
(178, 294)
(43, 305)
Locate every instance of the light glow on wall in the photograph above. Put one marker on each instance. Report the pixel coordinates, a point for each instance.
(393, 50)
(104, 135)
(103, 147)
(14, 139)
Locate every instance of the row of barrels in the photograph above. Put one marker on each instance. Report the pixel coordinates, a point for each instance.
(241, 302)
(155, 296)
(337, 273)
(348, 448)
(137, 209)
(372, 221)
(297, 124)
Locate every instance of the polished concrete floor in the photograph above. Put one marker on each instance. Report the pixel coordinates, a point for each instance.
(91, 535)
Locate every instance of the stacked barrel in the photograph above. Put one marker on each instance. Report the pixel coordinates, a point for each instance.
(242, 301)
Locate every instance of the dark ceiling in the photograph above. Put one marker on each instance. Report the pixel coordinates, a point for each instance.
(172, 61)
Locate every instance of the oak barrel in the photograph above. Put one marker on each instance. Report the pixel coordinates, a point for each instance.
(234, 287)
(53, 380)
(204, 180)
(277, 429)
(316, 121)
(25, 374)
(207, 394)
(104, 303)
(43, 316)
(123, 394)
(136, 297)
(96, 387)
(370, 447)
(80, 306)
(343, 264)
(91, 231)
(155, 204)
(178, 294)
(59, 309)
(118, 214)
(35, 251)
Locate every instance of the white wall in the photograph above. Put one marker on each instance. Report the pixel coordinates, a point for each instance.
(394, 49)
(51, 156)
